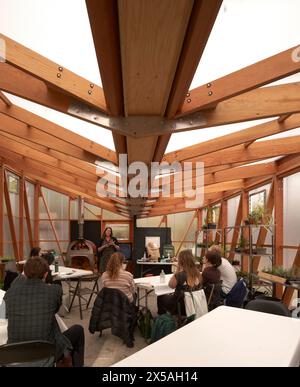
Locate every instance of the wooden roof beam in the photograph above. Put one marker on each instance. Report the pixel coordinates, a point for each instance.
(251, 77)
(243, 136)
(53, 74)
(5, 99)
(258, 151)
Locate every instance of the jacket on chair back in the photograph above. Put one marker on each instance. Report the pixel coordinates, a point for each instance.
(112, 309)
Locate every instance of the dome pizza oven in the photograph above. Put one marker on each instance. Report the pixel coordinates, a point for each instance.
(81, 252)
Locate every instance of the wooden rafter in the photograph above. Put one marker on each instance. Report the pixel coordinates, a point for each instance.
(53, 74)
(200, 25)
(237, 138)
(258, 151)
(265, 102)
(5, 99)
(249, 78)
(59, 134)
(103, 15)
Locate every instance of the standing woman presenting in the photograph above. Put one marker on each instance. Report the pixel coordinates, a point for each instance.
(108, 246)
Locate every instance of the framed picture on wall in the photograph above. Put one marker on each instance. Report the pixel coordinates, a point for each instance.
(121, 231)
(12, 183)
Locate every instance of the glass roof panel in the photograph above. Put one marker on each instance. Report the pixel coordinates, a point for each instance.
(57, 29)
(245, 32)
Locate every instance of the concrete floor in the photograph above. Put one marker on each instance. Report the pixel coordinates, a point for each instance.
(106, 350)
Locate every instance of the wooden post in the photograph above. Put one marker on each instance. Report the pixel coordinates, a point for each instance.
(236, 230)
(27, 217)
(1, 208)
(245, 213)
(11, 220)
(199, 219)
(185, 234)
(278, 217)
(21, 217)
(51, 221)
(263, 231)
(36, 213)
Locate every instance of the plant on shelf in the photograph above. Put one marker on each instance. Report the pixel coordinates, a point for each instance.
(256, 215)
(242, 244)
(276, 274)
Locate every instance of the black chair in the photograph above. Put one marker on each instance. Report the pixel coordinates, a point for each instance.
(267, 306)
(112, 309)
(81, 291)
(39, 353)
(213, 295)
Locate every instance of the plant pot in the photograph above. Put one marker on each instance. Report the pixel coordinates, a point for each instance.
(271, 277)
(211, 226)
(204, 227)
(246, 222)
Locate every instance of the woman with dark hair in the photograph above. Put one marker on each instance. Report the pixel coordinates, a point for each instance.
(35, 252)
(107, 246)
(210, 272)
(115, 277)
(186, 278)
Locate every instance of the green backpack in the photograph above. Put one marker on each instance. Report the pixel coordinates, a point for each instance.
(145, 322)
(164, 324)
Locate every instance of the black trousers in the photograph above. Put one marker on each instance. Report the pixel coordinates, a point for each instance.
(76, 336)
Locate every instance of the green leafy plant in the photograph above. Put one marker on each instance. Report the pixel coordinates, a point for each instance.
(280, 271)
(256, 215)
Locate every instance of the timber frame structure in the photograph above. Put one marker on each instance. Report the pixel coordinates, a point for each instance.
(146, 69)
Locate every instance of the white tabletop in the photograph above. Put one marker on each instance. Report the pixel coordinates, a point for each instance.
(67, 273)
(226, 337)
(154, 283)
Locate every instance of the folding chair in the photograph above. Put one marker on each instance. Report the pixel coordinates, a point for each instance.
(80, 291)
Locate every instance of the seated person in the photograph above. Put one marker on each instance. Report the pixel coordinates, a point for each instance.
(49, 258)
(115, 277)
(35, 252)
(31, 306)
(210, 272)
(186, 278)
(228, 273)
(212, 276)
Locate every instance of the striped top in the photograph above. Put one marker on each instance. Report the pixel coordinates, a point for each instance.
(124, 282)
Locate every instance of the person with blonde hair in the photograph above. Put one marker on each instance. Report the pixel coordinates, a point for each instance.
(186, 278)
(227, 272)
(115, 277)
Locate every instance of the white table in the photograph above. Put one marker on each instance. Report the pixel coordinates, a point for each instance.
(226, 337)
(152, 264)
(152, 284)
(66, 273)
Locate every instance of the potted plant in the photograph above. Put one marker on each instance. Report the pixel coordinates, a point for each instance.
(275, 274)
(256, 215)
